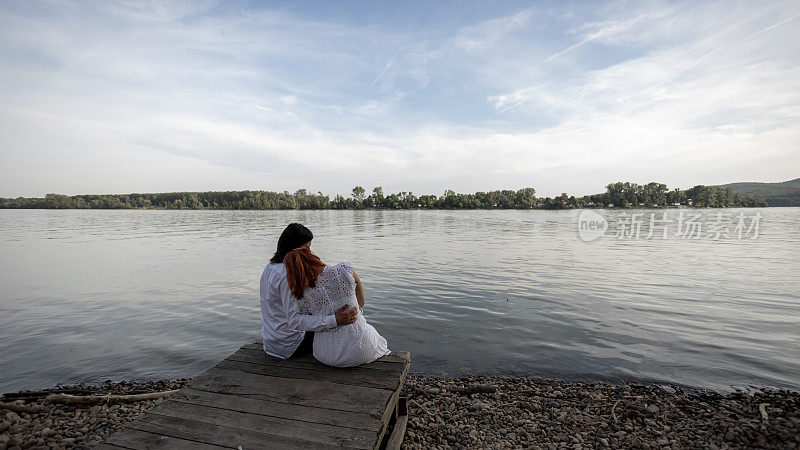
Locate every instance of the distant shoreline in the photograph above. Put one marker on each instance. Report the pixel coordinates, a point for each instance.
(612, 208)
(616, 195)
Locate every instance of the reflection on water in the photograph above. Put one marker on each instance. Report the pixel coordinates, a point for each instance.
(88, 295)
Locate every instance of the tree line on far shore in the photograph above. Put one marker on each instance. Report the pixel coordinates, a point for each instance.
(621, 194)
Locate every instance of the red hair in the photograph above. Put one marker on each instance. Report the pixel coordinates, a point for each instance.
(302, 269)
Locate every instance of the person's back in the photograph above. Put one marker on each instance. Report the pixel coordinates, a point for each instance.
(285, 332)
(348, 345)
(279, 334)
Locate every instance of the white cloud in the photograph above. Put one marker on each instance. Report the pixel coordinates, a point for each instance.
(195, 96)
(488, 33)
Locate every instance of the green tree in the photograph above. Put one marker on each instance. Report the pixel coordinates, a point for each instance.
(525, 198)
(358, 193)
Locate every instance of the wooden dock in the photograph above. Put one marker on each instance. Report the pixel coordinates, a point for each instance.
(251, 400)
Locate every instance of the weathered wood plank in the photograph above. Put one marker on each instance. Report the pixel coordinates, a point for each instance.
(400, 357)
(320, 394)
(339, 418)
(218, 435)
(308, 362)
(137, 439)
(253, 400)
(259, 357)
(398, 433)
(388, 408)
(376, 378)
(275, 426)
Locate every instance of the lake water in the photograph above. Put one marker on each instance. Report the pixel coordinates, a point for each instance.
(93, 295)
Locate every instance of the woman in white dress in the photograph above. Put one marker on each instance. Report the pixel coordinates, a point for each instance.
(321, 290)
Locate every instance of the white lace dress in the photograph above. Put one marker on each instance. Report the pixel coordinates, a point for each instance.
(346, 345)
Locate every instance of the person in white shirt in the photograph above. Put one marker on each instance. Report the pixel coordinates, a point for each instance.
(284, 331)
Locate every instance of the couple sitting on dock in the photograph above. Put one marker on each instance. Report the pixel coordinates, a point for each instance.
(310, 307)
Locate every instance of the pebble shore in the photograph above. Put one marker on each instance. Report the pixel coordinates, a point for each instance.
(61, 426)
(502, 412)
(480, 412)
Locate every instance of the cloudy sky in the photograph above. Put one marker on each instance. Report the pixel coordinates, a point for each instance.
(117, 97)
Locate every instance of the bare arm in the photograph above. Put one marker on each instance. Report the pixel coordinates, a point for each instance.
(359, 290)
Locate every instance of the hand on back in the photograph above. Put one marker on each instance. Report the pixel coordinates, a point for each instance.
(346, 315)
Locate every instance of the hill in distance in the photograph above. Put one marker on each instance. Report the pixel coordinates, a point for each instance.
(786, 193)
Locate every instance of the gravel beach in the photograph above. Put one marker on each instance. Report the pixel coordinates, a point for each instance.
(59, 425)
(500, 412)
(477, 412)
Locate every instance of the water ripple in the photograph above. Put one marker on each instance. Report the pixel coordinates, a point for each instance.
(90, 295)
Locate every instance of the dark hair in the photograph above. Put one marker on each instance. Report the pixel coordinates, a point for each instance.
(292, 237)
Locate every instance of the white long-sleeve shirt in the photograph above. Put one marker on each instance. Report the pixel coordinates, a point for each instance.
(282, 327)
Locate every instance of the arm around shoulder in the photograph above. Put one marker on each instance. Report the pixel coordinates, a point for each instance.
(302, 322)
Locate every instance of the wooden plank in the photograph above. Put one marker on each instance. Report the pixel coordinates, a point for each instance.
(308, 362)
(389, 407)
(400, 357)
(398, 433)
(401, 363)
(218, 435)
(253, 400)
(321, 394)
(379, 379)
(136, 439)
(259, 357)
(339, 418)
(384, 362)
(395, 438)
(389, 410)
(274, 426)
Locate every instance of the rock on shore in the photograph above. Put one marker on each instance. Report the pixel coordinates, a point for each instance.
(73, 426)
(501, 412)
